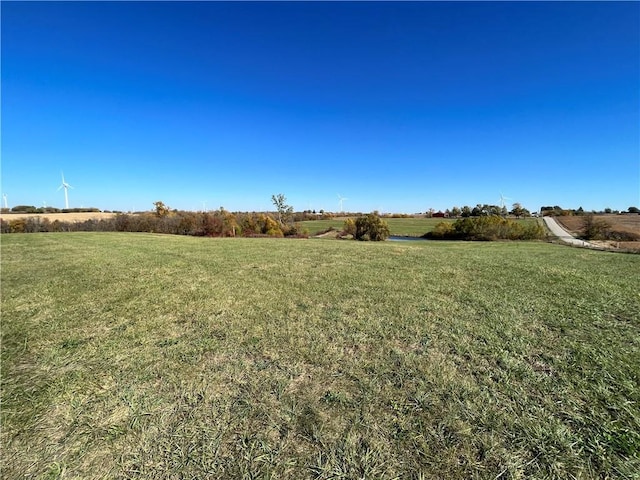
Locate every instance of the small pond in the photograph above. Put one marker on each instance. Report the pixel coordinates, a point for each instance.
(398, 238)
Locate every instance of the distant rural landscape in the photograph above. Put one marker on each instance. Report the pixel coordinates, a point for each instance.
(293, 240)
(615, 230)
(145, 355)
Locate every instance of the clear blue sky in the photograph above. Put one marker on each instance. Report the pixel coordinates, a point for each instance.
(396, 106)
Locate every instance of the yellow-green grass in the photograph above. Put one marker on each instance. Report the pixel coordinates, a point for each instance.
(411, 227)
(148, 356)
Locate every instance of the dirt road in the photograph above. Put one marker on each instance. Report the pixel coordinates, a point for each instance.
(565, 236)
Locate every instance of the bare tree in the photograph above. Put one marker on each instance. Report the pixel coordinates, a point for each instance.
(284, 211)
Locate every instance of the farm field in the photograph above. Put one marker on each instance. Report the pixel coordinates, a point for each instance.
(631, 223)
(622, 223)
(149, 356)
(63, 217)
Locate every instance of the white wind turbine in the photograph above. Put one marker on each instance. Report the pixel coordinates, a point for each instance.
(4, 197)
(502, 199)
(66, 187)
(341, 199)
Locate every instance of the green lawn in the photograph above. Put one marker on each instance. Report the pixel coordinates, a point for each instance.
(414, 227)
(153, 357)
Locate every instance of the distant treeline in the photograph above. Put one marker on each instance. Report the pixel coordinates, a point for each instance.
(32, 209)
(480, 210)
(558, 211)
(219, 223)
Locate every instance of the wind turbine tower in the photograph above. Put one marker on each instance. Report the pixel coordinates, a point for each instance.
(4, 197)
(66, 187)
(502, 199)
(341, 199)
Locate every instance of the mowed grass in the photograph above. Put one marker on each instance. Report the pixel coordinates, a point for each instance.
(148, 356)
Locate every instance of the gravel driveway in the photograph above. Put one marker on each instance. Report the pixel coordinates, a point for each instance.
(565, 236)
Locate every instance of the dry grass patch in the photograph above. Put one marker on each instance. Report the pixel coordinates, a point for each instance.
(625, 223)
(62, 217)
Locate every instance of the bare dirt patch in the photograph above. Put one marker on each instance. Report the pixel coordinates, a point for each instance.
(329, 234)
(63, 217)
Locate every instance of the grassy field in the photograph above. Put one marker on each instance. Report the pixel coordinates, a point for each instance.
(155, 357)
(412, 227)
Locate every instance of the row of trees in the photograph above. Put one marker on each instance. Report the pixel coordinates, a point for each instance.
(222, 223)
(483, 222)
(482, 210)
(559, 211)
(32, 209)
(279, 201)
(219, 223)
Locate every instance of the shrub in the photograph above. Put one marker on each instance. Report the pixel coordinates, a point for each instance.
(371, 227)
(121, 222)
(18, 225)
(442, 230)
(270, 226)
(594, 229)
(486, 228)
(56, 226)
(187, 224)
(295, 230)
(250, 225)
(349, 227)
(619, 236)
(26, 225)
(228, 222)
(210, 225)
